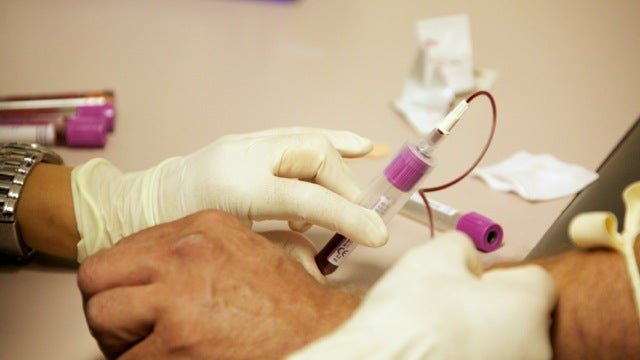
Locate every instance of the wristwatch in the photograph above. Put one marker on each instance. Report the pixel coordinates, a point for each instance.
(16, 162)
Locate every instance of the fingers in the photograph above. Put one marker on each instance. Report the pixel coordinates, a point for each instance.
(121, 317)
(532, 279)
(123, 265)
(299, 200)
(118, 266)
(150, 347)
(347, 143)
(314, 159)
(299, 248)
(528, 295)
(449, 253)
(299, 225)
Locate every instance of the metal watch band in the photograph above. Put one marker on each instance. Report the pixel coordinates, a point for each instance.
(16, 162)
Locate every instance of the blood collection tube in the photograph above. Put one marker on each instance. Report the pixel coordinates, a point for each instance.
(79, 119)
(77, 131)
(388, 193)
(97, 104)
(485, 233)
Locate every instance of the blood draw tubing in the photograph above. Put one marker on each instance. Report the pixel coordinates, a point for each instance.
(388, 193)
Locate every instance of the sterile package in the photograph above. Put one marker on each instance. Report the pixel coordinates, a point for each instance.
(443, 68)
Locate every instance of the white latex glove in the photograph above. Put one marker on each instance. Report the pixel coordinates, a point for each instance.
(436, 303)
(294, 174)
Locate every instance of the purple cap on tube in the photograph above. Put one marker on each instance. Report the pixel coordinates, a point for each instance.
(407, 168)
(485, 233)
(85, 131)
(106, 113)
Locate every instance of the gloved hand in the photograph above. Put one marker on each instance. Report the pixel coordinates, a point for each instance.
(436, 303)
(294, 174)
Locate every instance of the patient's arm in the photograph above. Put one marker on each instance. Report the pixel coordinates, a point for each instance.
(595, 316)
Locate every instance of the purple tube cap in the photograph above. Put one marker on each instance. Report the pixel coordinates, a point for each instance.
(407, 168)
(86, 131)
(485, 233)
(106, 113)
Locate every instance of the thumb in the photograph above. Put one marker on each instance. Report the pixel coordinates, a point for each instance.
(451, 253)
(528, 279)
(299, 249)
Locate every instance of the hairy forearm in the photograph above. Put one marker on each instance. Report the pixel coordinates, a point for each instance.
(595, 316)
(45, 212)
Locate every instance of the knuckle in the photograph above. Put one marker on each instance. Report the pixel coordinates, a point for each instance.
(180, 335)
(94, 313)
(182, 330)
(211, 216)
(85, 274)
(321, 143)
(196, 245)
(317, 138)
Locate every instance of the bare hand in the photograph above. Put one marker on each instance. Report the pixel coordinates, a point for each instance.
(205, 286)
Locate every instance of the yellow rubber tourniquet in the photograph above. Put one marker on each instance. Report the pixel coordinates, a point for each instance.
(600, 229)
